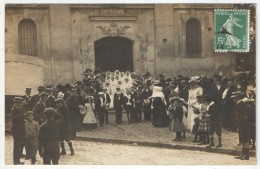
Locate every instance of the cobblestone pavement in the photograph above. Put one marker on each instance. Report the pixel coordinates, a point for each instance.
(145, 132)
(91, 153)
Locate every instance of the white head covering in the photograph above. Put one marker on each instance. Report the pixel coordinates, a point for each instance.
(157, 92)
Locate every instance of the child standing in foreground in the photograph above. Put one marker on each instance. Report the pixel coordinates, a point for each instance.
(176, 116)
(89, 120)
(204, 125)
(31, 135)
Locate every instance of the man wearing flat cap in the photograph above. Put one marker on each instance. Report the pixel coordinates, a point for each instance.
(39, 115)
(18, 131)
(35, 98)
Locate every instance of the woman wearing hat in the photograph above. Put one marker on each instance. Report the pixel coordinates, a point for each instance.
(195, 90)
(160, 118)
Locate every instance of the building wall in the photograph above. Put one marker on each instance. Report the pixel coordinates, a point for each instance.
(23, 70)
(66, 36)
(208, 62)
(92, 23)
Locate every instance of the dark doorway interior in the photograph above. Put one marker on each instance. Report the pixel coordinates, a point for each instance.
(114, 53)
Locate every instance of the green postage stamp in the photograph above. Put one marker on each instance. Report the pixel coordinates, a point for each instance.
(231, 30)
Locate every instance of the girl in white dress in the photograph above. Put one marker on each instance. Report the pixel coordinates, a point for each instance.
(89, 120)
(195, 90)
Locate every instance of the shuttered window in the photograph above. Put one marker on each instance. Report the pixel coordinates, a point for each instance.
(193, 37)
(27, 35)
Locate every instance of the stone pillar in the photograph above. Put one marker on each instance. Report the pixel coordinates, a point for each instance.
(61, 44)
(164, 39)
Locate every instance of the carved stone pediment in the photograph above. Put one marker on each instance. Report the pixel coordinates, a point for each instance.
(113, 29)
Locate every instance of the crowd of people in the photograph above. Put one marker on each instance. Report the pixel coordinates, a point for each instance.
(202, 105)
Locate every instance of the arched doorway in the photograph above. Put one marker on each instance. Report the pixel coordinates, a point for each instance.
(114, 53)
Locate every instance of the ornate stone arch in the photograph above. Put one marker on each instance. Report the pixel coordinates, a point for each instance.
(138, 67)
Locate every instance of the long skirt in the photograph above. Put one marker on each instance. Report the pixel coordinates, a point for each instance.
(204, 125)
(177, 126)
(190, 118)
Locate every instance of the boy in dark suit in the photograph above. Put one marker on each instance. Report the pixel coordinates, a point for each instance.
(49, 137)
(215, 121)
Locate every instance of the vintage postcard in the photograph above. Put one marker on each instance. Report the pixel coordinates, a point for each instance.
(130, 84)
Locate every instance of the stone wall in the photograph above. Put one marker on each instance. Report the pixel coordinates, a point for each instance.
(22, 71)
(91, 24)
(40, 16)
(66, 36)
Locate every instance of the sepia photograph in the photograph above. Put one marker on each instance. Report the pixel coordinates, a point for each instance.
(130, 84)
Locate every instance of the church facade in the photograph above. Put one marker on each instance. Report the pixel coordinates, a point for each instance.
(52, 44)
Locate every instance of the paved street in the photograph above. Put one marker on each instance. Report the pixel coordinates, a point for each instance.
(109, 154)
(145, 132)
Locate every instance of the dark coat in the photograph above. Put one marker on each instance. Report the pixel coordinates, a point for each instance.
(217, 94)
(145, 95)
(26, 98)
(215, 117)
(129, 100)
(247, 117)
(108, 100)
(18, 119)
(118, 100)
(138, 101)
(51, 102)
(177, 113)
(227, 101)
(73, 103)
(33, 101)
(49, 136)
(38, 111)
(160, 118)
(98, 105)
(63, 116)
